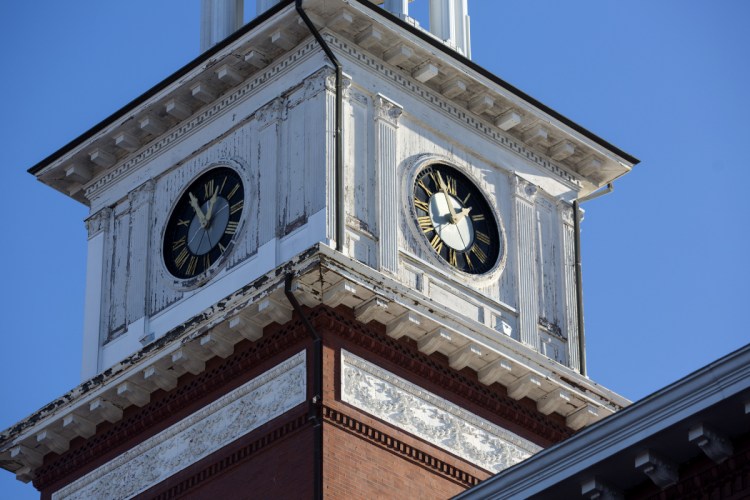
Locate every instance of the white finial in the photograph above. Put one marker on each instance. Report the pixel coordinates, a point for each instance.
(398, 7)
(263, 5)
(449, 20)
(219, 19)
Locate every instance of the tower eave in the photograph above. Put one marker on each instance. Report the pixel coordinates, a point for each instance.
(409, 49)
(321, 277)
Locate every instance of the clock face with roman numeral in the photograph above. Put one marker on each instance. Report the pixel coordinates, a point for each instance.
(203, 223)
(456, 219)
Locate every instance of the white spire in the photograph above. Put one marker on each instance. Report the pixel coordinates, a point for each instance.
(219, 19)
(449, 21)
(263, 5)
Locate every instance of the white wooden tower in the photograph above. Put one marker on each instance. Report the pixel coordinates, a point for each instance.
(373, 161)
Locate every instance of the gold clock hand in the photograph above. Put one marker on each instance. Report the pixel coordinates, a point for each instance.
(197, 209)
(463, 213)
(448, 200)
(211, 204)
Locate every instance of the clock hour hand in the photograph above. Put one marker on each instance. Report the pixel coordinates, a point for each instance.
(462, 213)
(198, 211)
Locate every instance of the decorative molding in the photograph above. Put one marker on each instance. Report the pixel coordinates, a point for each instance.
(464, 115)
(98, 222)
(221, 462)
(270, 112)
(267, 396)
(524, 189)
(399, 447)
(662, 471)
(405, 353)
(427, 416)
(317, 82)
(714, 444)
(174, 402)
(346, 82)
(566, 212)
(188, 126)
(387, 110)
(141, 195)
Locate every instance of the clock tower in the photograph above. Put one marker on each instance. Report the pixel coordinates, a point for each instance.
(331, 256)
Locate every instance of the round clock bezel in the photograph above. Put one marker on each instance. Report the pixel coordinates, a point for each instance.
(414, 169)
(193, 282)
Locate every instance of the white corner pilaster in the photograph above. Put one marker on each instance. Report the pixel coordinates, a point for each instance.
(330, 144)
(449, 21)
(397, 7)
(569, 282)
(141, 201)
(98, 226)
(268, 121)
(528, 301)
(387, 113)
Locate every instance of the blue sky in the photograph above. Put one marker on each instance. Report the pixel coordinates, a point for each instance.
(665, 256)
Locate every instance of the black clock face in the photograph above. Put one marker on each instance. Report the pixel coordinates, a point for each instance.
(203, 223)
(456, 219)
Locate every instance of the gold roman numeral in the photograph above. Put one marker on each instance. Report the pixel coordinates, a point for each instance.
(223, 183)
(422, 205)
(482, 237)
(231, 228)
(222, 248)
(233, 191)
(436, 179)
(468, 261)
(479, 253)
(423, 186)
(451, 186)
(437, 243)
(181, 258)
(236, 207)
(192, 264)
(477, 217)
(466, 199)
(178, 243)
(425, 223)
(208, 189)
(206, 261)
(452, 258)
(181, 222)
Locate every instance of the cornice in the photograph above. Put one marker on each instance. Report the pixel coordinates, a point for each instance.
(181, 130)
(322, 276)
(444, 78)
(454, 109)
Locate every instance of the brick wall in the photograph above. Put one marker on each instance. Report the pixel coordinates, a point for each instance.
(354, 469)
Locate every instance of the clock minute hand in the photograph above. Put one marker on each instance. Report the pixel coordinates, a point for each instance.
(211, 204)
(198, 211)
(448, 198)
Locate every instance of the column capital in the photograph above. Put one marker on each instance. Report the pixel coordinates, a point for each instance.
(387, 110)
(524, 189)
(98, 222)
(566, 212)
(141, 195)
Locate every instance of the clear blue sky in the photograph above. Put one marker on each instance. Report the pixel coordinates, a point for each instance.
(665, 256)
